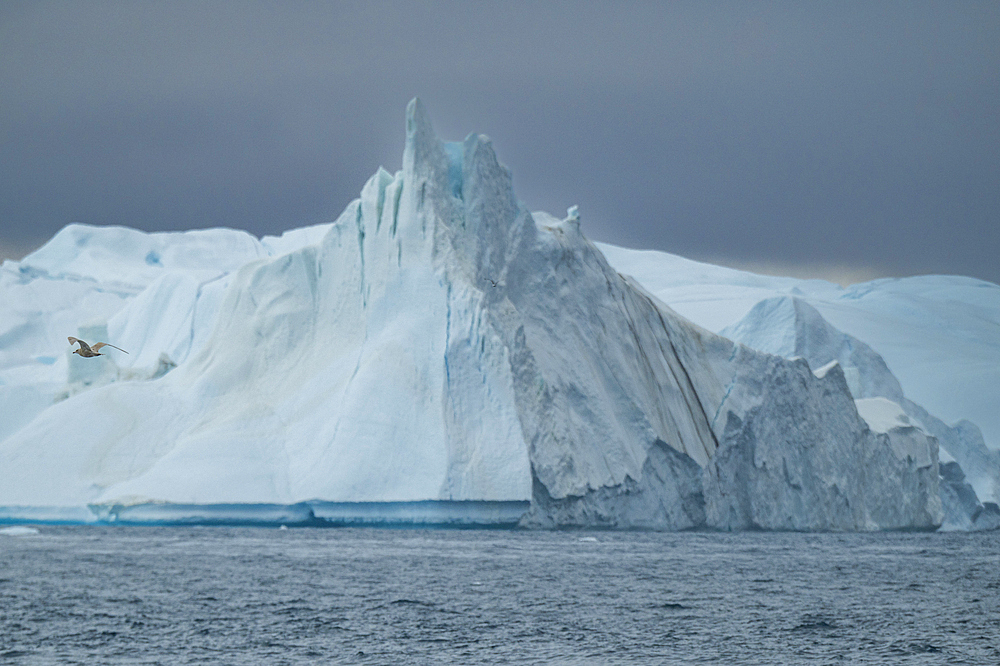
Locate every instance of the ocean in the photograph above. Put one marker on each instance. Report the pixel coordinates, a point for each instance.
(179, 595)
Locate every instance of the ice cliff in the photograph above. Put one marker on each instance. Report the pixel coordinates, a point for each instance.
(790, 327)
(436, 345)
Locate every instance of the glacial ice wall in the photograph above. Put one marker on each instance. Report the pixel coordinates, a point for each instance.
(791, 327)
(437, 343)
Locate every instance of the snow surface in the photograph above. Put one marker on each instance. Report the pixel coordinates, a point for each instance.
(882, 414)
(436, 351)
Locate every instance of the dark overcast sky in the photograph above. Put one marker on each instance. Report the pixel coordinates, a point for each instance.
(833, 138)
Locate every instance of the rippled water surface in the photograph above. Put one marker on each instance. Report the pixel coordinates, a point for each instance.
(172, 595)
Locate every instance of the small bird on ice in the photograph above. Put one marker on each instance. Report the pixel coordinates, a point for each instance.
(87, 351)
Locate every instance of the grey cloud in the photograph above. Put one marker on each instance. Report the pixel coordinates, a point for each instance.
(842, 134)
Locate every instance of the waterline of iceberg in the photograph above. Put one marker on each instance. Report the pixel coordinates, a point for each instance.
(429, 513)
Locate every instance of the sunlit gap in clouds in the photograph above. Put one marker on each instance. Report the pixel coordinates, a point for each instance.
(838, 273)
(17, 251)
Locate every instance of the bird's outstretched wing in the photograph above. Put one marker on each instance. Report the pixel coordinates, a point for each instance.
(83, 345)
(98, 346)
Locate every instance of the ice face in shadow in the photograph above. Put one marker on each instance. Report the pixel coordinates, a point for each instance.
(803, 458)
(791, 327)
(439, 343)
(962, 508)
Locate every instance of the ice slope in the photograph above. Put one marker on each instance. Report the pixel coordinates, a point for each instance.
(93, 282)
(436, 344)
(938, 334)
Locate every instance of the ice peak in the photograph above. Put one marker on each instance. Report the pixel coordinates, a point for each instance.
(450, 166)
(418, 122)
(422, 149)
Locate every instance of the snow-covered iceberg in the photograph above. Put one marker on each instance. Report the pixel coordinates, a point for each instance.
(438, 354)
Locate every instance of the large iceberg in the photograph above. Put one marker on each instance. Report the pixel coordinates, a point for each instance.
(438, 354)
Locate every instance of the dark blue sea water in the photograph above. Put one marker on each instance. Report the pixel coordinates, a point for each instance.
(170, 595)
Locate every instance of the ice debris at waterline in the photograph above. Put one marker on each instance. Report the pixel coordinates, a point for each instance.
(436, 346)
(18, 530)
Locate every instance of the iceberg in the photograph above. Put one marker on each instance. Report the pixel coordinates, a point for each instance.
(437, 355)
(791, 327)
(938, 334)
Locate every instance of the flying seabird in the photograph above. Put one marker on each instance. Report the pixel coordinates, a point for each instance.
(87, 351)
